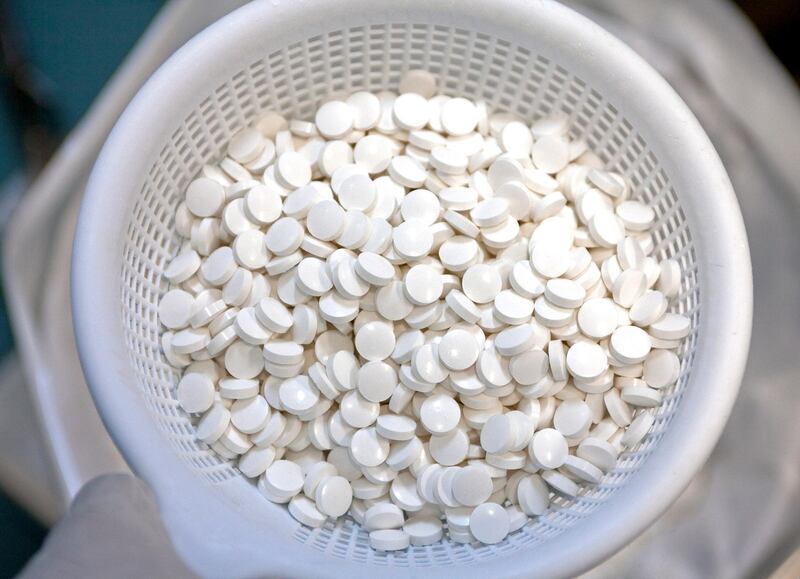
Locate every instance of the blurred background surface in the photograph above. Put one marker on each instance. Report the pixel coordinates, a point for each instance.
(55, 57)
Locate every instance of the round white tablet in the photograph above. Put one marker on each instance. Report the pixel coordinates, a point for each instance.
(560, 483)
(256, 461)
(396, 427)
(374, 268)
(426, 365)
(586, 360)
(356, 230)
(597, 318)
(366, 110)
(458, 350)
(182, 267)
(357, 411)
(300, 201)
(629, 344)
(515, 340)
(459, 116)
(411, 111)
(418, 81)
(661, 368)
(219, 267)
(528, 367)
(357, 193)
(518, 197)
(298, 394)
(556, 123)
(337, 309)
(598, 452)
(637, 430)
(516, 139)
(423, 529)
(564, 293)
(550, 260)
(498, 434)
(458, 253)
(312, 277)
(284, 236)
(347, 283)
(284, 478)
(629, 286)
(335, 154)
(482, 283)
(636, 215)
(572, 417)
(558, 360)
(448, 161)
(246, 145)
(283, 352)
(512, 308)
(669, 278)
(458, 199)
(490, 212)
(525, 281)
(671, 327)
(380, 236)
(548, 448)
(440, 414)
(389, 540)
(334, 119)
(249, 249)
(489, 523)
(368, 448)
(250, 415)
(243, 360)
(412, 239)
(205, 197)
(533, 495)
(472, 485)
(550, 153)
(402, 456)
(195, 392)
(492, 368)
(175, 309)
(293, 169)
(407, 171)
(249, 329)
(420, 205)
(648, 309)
(383, 515)
(305, 511)
(451, 448)
(639, 394)
(423, 284)
(548, 206)
(334, 496)
(606, 228)
(391, 302)
(373, 153)
(375, 340)
(213, 424)
(273, 315)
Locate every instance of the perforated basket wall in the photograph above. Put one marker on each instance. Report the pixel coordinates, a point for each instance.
(293, 81)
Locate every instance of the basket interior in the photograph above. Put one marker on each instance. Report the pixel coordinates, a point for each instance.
(508, 77)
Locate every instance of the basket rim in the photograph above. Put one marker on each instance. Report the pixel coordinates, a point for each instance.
(691, 162)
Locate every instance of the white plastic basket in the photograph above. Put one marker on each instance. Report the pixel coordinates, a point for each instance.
(527, 57)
